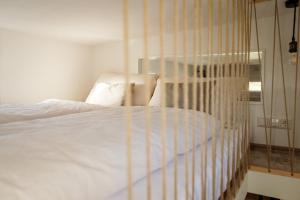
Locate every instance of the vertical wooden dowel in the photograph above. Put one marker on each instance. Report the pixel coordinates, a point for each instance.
(185, 93)
(128, 98)
(262, 82)
(284, 89)
(175, 97)
(202, 106)
(236, 92)
(272, 87)
(221, 82)
(147, 98)
(194, 90)
(232, 99)
(163, 98)
(226, 97)
(248, 95)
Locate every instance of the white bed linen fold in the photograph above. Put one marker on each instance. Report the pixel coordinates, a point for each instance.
(45, 109)
(81, 156)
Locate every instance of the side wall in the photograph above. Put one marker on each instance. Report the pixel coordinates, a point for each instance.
(34, 68)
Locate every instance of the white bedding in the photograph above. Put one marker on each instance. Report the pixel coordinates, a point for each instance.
(45, 109)
(81, 156)
(140, 187)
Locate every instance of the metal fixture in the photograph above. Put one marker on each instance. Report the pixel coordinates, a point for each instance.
(293, 4)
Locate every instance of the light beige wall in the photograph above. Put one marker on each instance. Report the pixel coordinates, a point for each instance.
(109, 57)
(34, 68)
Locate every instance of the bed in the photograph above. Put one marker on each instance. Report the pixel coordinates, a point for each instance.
(45, 109)
(59, 150)
(82, 156)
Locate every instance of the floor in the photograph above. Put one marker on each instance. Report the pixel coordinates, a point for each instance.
(280, 159)
(256, 197)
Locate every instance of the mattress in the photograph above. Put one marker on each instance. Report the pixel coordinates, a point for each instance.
(83, 155)
(45, 109)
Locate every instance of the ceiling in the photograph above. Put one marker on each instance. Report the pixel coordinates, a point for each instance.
(90, 21)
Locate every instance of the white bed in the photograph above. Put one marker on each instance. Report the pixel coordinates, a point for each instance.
(45, 109)
(83, 156)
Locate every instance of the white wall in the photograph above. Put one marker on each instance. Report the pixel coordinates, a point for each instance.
(34, 68)
(270, 185)
(109, 57)
(279, 136)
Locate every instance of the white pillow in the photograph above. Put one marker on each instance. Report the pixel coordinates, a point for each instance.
(106, 94)
(155, 100)
(138, 93)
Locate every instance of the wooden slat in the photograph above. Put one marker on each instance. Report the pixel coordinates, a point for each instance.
(127, 114)
(185, 94)
(194, 90)
(175, 98)
(162, 97)
(147, 97)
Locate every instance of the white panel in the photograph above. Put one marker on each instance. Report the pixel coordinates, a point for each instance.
(281, 187)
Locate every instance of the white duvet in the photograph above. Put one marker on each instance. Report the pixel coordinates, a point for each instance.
(45, 109)
(140, 187)
(83, 156)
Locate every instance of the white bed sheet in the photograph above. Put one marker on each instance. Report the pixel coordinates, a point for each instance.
(45, 109)
(82, 156)
(140, 187)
